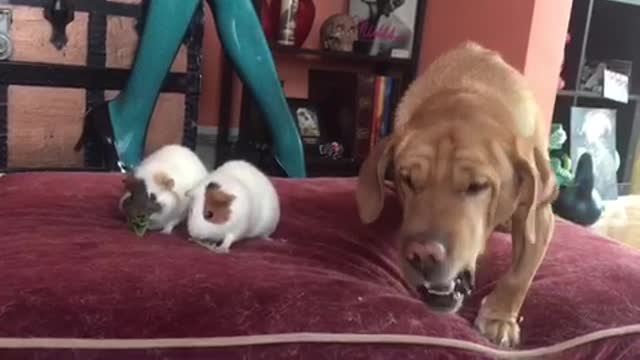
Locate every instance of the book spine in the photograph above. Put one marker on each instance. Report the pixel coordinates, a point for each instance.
(393, 102)
(363, 114)
(386, 118)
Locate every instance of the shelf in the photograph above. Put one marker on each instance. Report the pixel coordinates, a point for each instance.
(627, 2)
(590, 95)
(337, 55)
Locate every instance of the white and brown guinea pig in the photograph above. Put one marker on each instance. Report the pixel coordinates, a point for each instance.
(236, 201)
(161, 181)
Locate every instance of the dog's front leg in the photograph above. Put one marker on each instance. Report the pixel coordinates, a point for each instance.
(498, 318)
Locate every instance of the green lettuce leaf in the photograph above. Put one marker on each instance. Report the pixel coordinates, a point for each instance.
(139, 225)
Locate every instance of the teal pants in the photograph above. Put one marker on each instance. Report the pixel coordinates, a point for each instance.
(243, 41)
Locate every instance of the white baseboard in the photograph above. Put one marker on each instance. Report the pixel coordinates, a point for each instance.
(208, 135)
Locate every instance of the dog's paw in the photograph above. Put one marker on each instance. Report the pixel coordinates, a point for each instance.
(502, 330)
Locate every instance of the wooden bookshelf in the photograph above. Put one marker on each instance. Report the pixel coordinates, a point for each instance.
(253, 142)
(337, 55)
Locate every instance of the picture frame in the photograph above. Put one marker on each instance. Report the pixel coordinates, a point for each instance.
(593, 130)
(309, 125)
(385, 27)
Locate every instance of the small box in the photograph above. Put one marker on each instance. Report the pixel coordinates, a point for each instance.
(609, 79)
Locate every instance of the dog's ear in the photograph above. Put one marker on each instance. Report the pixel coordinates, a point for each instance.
(524, 217)
(548, 190)
(536, 187)
(370, 189)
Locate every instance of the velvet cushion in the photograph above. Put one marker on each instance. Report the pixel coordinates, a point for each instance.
(70, 268)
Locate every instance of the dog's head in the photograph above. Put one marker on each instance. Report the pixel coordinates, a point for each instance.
(458, 174)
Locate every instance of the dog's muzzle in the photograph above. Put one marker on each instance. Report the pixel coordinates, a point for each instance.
(447, 297)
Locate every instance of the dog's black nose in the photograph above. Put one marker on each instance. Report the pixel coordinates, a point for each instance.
(427, 253)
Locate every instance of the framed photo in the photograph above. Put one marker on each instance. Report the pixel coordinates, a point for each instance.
(593, 130)
(385, 27)
(306, 116)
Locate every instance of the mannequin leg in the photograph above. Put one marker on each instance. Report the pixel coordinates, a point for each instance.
(244, 42)
(121, 125)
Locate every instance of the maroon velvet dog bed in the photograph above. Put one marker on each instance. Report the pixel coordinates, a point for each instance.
(71, 269)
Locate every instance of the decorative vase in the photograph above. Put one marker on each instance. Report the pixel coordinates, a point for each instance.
(304, 17)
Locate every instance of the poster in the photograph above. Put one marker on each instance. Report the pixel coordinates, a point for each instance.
(593, 130)
(385, 27)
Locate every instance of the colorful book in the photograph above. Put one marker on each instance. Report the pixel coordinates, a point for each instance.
(387, 112)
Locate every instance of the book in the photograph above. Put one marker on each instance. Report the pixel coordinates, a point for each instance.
(394, 98)
(387, 113)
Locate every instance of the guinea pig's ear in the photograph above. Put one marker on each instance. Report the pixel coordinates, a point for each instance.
(219, 198)
(164, 180)
(213, 186)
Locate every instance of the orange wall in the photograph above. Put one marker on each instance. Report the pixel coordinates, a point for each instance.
(546, 49)
(530, 35)
(498, 24)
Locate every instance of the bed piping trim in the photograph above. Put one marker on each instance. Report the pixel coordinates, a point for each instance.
(311, 337)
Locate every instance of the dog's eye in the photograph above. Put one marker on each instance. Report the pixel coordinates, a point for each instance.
(406, 179)
(476, 188)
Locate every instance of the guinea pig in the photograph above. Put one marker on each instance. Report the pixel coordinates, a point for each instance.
(156, 189)
(236, 201)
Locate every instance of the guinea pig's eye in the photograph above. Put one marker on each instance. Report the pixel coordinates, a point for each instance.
(152, 197)
(475, 188)
(208, 215)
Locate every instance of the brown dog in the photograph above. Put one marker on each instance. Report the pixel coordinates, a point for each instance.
(468, 154)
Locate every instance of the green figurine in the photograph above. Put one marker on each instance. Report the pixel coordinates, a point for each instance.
(560, 161)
